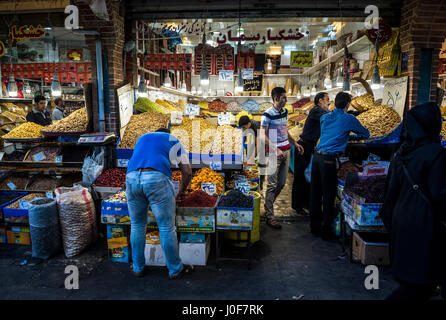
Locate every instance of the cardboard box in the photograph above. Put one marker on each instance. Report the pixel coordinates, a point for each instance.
(195, 253)
(154, 255)
(18, 235)
(364, 214)
(195, 223)
(371, 248)
(118, 243)
(153, 237)
(192, 237)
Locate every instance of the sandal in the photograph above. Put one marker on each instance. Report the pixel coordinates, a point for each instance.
(187, 269)
(273, 223)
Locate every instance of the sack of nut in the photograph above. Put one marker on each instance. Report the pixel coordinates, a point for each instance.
(77, 219)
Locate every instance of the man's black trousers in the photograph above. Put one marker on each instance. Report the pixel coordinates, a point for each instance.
(324, 183)
(301, 188)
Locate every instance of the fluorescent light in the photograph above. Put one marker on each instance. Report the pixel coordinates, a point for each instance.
(327, 83)
(56, 89)
(12, 86)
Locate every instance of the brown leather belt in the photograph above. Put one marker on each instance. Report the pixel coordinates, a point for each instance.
(147, 169)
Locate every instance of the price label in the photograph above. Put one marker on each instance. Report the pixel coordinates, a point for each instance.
(243, 186)
(122, 162)
(1, 155)
(24, 204)
(39, 157)
(49, 195)
(248, 74)
(226, 75)
(209, 187)
(215, 165)
(192, 110)
(176, 117)
(59, 159)
(240, 177)
(223, 119)
(344, 159)
(11, 185)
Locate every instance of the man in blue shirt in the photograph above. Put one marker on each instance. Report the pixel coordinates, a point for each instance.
(335, 133)
(148, 183)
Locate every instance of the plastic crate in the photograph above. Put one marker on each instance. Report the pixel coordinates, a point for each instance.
(235, 218)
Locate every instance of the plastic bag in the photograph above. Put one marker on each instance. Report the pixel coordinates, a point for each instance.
(99, 8)
(92, 167)
(77, 219)
(44, 228)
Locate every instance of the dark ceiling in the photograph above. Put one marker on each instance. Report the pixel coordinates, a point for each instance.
(177, 9)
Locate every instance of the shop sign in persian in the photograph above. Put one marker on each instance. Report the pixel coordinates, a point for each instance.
(300, 59)
(26, 32)
(394, 94)
(282, 35)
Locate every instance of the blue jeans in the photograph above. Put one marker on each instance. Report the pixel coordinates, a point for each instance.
(156, 189)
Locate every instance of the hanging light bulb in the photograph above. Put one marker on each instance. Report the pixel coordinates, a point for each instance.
(339, 80)
(56, 89)
(313, 91)
(204, 75)
(307, 92)
(142, 90)
(12, 86)
(167, 83)
(327, 82)
(299, 95)
(184, 87)
(376, 80)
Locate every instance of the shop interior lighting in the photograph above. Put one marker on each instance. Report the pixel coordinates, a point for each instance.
(167, 83)
(56, 89)
(307, 92)
(327, 82)
(27, 88)
(183, 87)
(239, 83)
(269, 65)
(12, 86)
(339, 80)
(204, 75)
(313, 91)
(274, 50)
(346, 83)
(299, 94)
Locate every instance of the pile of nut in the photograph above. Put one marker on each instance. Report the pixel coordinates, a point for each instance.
(140, 124)
(75, 122)
(191, 138)
(25, 131)
(217, 106)
(380, 120)
(29, 197)
(228, 140)
(50, 153)
(364, 102)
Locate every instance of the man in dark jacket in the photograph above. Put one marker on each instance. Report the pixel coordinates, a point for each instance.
(38, 114)
(414, 209)
(308, 140)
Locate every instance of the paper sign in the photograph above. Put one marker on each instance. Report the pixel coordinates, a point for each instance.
(11, 185)
(59, 159)
(1, 155)
(300, 59)
(226, 75)
(248, 74)
(223, 119)
(176, 117)
(375, 170)
(191, 110)
(209, 187)
(240, 177)
(243, 186)
(215, 165)
(49, 195)
(24, 204)
(39, 157)
(394, 95)
(123, 162)
(343, 159)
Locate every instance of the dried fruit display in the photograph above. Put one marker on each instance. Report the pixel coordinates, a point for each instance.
(234, 106)
(140, 124)
(228, 140)
(199, 199)
(251, 106)
(380, 120)
(207, 175)
(168, 105)
(14, 182)
(217, 106)
(346, 167)
(14, 156)
(235, 199)
(296, 131)
(43, 183)
(371, 189)
(177, 175)
(25, 131)
(75, 122)
(265, 106)
(111, 178)
(50, 154)
(145, 105)
(191, 139)
(119, 197)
